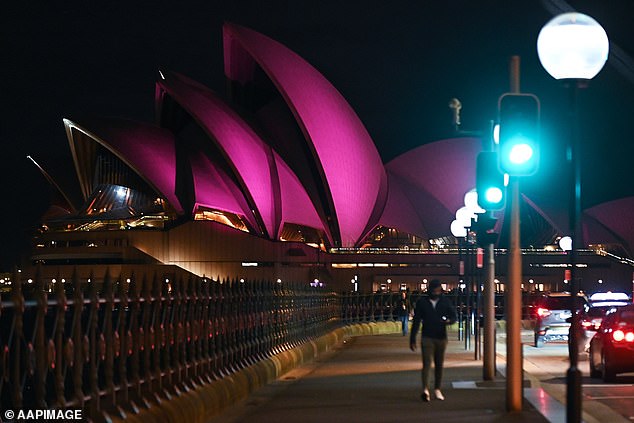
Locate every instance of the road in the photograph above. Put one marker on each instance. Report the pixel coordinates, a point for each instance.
(548, 365)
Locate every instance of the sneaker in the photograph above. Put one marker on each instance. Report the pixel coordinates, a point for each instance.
(439, 396)
(425, 396)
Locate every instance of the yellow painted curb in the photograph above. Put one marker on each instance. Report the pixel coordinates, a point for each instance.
(208, 400)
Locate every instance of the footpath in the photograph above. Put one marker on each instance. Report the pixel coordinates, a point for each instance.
(377, 379)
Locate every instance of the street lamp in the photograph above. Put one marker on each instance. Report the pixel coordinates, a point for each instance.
(573, 47)
(565, 243)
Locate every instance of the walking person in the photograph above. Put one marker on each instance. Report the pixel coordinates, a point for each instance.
(435, 312)
(403, 308)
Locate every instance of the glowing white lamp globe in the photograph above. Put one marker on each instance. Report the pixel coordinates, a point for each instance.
(565, 243)
(464, 216)
(471, 202)
(458, 230)
(573, 46)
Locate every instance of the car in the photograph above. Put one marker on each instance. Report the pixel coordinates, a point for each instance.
(600, 304)
(612, 347)
(553, 312)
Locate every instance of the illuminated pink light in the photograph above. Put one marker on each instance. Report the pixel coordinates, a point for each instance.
(445, 169)
(242, 147)
(399, 212)
(148, 149)
(352, 169)
(296, 205)
(250, 157)
(214, 189)
(609, 216)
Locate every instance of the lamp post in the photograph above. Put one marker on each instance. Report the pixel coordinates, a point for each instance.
(459, 229)
(573, 47)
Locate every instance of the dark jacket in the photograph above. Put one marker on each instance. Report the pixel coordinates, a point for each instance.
(434, 320)
(402, 306)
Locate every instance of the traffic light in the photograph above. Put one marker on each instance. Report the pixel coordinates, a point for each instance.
(519, 134)
(489, 181)
(485, 230)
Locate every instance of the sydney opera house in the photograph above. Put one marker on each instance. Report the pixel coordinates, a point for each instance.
(279, 179)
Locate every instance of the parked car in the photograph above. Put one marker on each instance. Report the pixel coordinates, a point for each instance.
(553, 312)
(600, 304)
(612, 347)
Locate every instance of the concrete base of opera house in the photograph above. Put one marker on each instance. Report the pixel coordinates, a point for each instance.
(201, 402)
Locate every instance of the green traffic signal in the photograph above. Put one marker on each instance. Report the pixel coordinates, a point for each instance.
(493, 195)
(489, 181)
(519, 134)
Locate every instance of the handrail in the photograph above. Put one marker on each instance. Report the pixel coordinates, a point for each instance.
(106, 347)
(111, 347)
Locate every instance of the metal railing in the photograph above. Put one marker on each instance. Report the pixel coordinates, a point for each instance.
(109, 345)
(103, 346)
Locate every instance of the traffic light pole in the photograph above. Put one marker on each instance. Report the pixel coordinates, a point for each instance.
(514, 377)
(488, 369)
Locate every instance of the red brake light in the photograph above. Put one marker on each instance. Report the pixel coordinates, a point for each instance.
(629, 337)
(543, 312)
(586, 324)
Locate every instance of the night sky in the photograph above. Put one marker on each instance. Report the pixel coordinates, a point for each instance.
(397, 63)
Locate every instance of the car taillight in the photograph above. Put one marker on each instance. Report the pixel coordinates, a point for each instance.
(619, 335)
(586, 324)
(543, 312)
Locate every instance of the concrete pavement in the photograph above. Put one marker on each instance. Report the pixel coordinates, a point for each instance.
(546, 367)
(377, 379)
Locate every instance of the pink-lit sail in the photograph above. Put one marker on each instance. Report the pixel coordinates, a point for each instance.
(296, 205)
(350, 166)
(214, 189)
(275, 192)
(146, 149)
(243, 149)
(445, 169)
(610, 216)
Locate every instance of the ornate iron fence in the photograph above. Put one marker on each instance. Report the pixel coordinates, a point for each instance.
(110, 344)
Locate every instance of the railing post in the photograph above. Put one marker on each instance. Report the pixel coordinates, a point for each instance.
(41, 365)
(121, 346)
(134, 335)
(177, 321)
(144, 295)
(58, 359)
(108, 333)
(93, 375)
(79, 340)
(159, 335)
(206, 332)
(196, 327)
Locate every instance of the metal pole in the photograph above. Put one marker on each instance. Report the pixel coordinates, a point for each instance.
(488, 369)
(476, 330)
(458, 295)
(573, 375)
(514, 378)
(467, 283)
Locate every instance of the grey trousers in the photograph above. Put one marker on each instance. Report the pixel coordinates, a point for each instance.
(433, 348)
